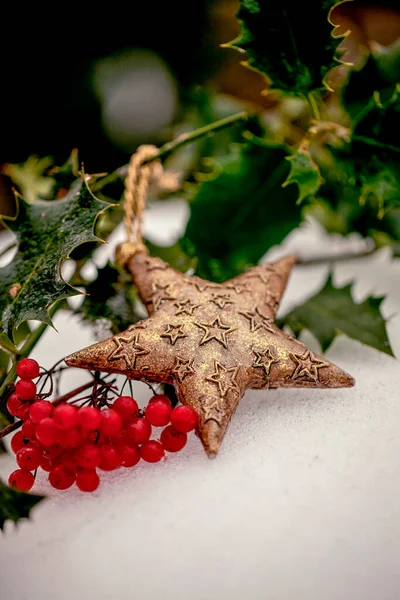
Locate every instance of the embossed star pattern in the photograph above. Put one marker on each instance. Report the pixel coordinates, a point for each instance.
(211, 341)
(307, 365)
(128, 349)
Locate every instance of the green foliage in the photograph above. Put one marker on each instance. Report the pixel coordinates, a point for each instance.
(305, 172)
(230, 225)
(291, 43)
(15, 505)
(46, 232)
(333, 311)
(30, 177)
(110, 297)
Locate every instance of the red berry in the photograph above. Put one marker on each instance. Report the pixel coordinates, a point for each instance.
(68, 459)
(111, 423)
(110, 458)
(28, 429)
(65, 416)
(61, 478)
(25, 389)
(184, 418)
(158, 413)
(88, 456)
(23, 412)
(13, 405)
(160, 398)
(21, 480)
(28, 368)
(53, 451)
(47, 432)
(138, 431)
(127, 407)
(87, 480)
(89, 418)
(45, 463)
(28, 458)
(121, 439)
(40, 410)
(172, 439)
(152, 451)
(71, 438)
(130, 456)
(17, 441)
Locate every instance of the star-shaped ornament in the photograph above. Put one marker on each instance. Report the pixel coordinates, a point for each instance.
(211, 341)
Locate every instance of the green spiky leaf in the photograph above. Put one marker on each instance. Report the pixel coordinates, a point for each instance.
(305, 172)
(289, 42)
(30, 177)
(333, 311)
(15, 505)
(46, 233)
(241, 212)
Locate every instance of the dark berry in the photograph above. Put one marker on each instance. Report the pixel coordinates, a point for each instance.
(21, 480)
(152, 451)
(172, 439)
(28, 368)
(184, 418)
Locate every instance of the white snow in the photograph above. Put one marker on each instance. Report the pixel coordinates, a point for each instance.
(303, 502)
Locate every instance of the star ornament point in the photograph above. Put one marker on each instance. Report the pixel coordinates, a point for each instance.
(211, 341)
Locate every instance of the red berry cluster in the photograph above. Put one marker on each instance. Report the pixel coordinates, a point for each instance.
(72, 442)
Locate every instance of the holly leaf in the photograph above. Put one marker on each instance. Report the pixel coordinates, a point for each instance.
(290, 43)
(112, 298)
(46, 233)
(333, 311)
(30, 177)
(241, 212)
(15, 505)
(305, 172)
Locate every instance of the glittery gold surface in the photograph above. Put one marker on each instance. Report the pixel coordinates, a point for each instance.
(212, 341)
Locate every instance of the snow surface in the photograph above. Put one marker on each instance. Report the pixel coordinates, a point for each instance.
(303, 502)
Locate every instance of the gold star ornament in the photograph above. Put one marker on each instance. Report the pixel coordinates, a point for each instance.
(211, 341)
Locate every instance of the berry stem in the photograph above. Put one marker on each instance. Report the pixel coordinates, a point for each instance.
(13, 426)
(25, 351)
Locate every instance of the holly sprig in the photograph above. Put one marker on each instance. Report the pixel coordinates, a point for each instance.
(258, 183)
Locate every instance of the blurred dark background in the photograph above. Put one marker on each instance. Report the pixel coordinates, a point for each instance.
(106, 80)
(59, 92)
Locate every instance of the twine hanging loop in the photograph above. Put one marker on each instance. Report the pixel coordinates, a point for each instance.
(137, 184)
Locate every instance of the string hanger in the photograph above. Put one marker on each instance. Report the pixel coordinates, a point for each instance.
(137, 183)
